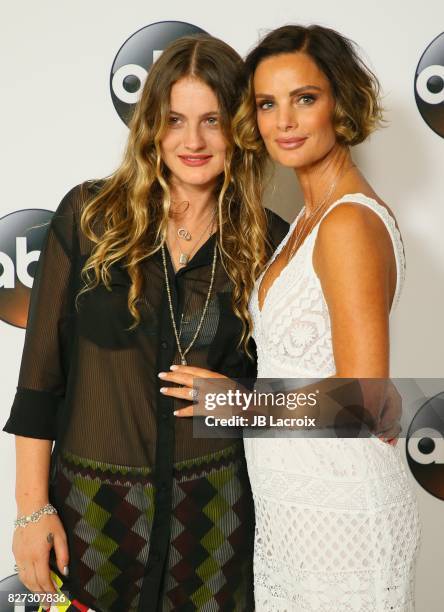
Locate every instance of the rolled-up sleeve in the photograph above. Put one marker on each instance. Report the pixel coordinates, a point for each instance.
(42, 377)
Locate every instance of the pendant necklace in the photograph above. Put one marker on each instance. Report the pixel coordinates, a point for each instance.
(183, 233)
(183, 353)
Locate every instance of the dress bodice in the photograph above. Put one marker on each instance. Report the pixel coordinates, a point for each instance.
(293, 331)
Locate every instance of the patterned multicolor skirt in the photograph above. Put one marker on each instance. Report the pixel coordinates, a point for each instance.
(107, 512)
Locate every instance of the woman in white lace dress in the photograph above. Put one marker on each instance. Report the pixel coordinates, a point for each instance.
(337, 525)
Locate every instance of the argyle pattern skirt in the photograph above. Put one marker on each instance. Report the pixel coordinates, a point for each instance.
(107, 512)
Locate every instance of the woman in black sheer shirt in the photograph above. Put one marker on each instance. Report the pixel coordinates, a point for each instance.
(154, 519)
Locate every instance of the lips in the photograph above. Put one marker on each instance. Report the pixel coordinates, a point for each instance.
(291, 143)
(195, 160)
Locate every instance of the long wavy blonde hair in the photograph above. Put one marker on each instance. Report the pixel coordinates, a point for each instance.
(132, 206)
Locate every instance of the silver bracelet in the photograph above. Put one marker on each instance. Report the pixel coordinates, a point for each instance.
(24, 520)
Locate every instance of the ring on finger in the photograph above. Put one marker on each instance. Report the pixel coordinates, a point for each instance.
(193, 393)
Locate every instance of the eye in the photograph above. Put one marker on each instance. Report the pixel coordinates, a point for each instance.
(212, 121)
(264, 104)
(306, 99)
(173, 120)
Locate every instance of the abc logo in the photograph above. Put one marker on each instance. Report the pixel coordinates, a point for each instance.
(425, 446)
(136, 56)
(429, 85)
(21, 238)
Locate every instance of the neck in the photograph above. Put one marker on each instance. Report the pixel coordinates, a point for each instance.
(316, 179)
(191, 203)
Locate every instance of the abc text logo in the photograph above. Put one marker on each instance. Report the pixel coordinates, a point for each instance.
(21, 238)
(136, 56)
(425, 446)
(429, 85)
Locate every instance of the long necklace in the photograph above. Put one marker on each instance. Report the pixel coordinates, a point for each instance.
(184, 258)
(299, 233)
(183, 353)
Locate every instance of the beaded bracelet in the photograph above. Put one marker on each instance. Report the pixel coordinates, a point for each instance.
(24, 520)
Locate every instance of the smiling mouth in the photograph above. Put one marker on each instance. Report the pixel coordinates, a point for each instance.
(291, 143)
(195, 160)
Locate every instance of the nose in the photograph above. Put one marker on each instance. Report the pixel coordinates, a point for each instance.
(286, 118)
(193, 139)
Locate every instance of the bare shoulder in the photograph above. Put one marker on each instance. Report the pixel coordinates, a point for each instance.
(353, 221)
(353, 230)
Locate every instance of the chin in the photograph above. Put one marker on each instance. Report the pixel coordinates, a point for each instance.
(290, 160)
(289, 163)
(196, 179)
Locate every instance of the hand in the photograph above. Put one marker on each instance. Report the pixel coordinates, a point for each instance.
(31, 546)
(185, 375)
(389, 421)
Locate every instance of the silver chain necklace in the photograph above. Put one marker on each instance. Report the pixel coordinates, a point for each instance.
(183, 353)
(313, 214)
(184, 258)
(298, 232)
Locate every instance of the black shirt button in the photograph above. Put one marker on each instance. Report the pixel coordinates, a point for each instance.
(164, 344)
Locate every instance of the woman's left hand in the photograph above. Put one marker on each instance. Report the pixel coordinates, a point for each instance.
(185, 375)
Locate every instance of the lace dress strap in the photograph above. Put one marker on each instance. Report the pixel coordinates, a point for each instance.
(390, 224)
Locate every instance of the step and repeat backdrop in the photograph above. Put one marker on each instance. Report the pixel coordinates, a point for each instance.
(72, 73)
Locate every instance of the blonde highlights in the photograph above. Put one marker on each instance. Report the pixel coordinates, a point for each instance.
(356, 89)
(127, 218)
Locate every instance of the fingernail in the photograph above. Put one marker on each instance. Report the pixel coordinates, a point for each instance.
(176, 413)
(174, 367)
(65, 570)
(161, 374)
(163, 389)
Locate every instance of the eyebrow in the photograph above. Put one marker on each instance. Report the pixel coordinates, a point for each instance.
(210, 113)
(294, 92)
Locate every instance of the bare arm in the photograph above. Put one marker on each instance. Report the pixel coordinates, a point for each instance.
(354, 260)
(31, 544)
(32, 472)
(40, 391)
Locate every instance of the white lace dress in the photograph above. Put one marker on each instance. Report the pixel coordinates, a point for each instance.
(337, 525)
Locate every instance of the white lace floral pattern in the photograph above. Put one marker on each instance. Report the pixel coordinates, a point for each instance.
(337, 525)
